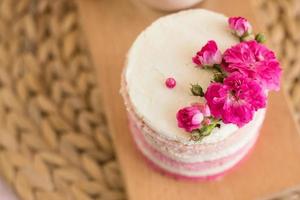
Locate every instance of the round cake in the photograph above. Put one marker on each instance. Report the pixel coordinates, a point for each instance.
(156, 83)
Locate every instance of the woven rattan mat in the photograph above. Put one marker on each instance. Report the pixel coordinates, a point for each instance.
(54, 142)
(53, 139)
(281, 18)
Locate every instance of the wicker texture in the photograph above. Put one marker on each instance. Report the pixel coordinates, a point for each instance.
(281, 19)
(54, 142)
(53, 139)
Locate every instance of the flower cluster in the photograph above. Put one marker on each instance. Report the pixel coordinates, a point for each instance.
(243, 75)
(255, 61)
(236, 99)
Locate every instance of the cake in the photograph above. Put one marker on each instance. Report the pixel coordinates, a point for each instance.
(167, 81)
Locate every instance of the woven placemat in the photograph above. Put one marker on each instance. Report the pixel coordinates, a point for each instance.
(281, 18)
(54, 142)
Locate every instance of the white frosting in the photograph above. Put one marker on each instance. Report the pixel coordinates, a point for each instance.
(165, 49)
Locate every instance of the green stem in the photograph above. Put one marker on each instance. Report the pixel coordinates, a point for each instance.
(199, 134)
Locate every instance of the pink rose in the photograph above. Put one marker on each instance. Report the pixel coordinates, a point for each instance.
(189, 118)
(240, 26)
(255, 61)
(204, 109)
(208, 55)
(236, 100)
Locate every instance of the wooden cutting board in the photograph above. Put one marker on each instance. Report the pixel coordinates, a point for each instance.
(110, 27)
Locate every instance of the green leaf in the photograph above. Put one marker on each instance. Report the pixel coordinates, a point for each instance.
(206, 130)
(197, 90)
(260, 38)
(219, 77)
(199, 134)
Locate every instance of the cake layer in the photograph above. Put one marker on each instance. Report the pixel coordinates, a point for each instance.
(164, 50)
(195, 169)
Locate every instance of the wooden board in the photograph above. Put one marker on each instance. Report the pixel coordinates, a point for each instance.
(110, 27)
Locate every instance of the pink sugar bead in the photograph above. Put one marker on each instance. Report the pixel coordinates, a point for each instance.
(170, 83)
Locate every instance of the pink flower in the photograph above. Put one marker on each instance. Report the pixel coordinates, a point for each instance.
(189, 118)
(208, 55)
(255, 61)
(204, 109)
(236, 100)
(240, 26)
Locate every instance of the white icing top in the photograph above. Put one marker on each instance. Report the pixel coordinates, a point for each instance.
(165, 49)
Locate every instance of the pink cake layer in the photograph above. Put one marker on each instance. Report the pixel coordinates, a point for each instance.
(156, 156)
(194, 166)
(194, 178)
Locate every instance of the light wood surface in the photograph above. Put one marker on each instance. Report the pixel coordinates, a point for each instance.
(110, 27)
